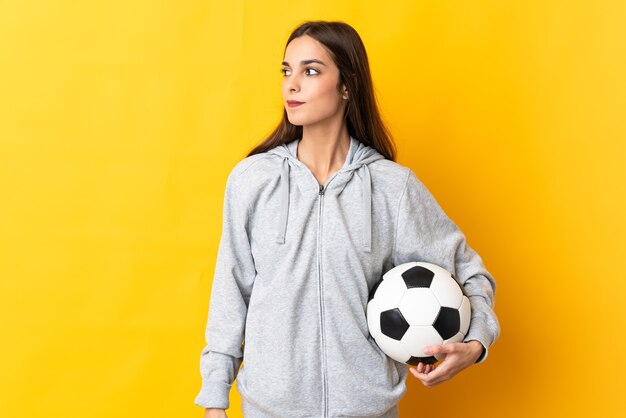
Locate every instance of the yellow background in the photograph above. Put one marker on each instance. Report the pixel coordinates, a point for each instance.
(119, 122)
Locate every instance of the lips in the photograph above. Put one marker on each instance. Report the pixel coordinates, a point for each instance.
(293, 103)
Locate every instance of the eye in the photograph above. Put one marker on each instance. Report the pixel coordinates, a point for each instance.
(283, 70)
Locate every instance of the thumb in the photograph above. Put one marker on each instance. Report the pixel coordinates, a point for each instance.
(439, 349)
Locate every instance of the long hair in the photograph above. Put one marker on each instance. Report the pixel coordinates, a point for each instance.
(362, 115)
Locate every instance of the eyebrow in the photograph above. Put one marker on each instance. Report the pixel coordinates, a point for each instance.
(305, 62)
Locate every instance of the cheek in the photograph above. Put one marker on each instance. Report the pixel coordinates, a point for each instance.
(326, 93)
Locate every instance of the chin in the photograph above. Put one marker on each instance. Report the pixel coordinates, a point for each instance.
(296, 121)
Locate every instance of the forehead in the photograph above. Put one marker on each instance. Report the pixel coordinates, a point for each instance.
(304, 48)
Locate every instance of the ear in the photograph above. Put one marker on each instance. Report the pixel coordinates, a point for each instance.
(345, 92)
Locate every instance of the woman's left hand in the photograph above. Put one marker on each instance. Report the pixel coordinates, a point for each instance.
(457, 356)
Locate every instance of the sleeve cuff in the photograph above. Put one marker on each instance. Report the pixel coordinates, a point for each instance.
(213, 395)
(479, 333)
(483, 355)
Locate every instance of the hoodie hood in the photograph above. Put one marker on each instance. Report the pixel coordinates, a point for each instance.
(357, 160)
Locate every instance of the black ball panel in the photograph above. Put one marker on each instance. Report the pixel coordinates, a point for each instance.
(414, 361)
(418, 276)
(393, 324)
(448, 322)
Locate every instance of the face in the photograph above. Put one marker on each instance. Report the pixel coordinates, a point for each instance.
(313, 83)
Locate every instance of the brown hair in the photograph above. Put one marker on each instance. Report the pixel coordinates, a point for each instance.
(364, 122)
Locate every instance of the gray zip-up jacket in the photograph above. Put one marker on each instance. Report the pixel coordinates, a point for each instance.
(295, 265)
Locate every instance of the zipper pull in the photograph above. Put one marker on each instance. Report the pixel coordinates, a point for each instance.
(321, 189)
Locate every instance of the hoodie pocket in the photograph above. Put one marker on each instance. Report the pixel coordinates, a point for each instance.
(394, 372)
(391, 364)
(281, 361)
(363, 381)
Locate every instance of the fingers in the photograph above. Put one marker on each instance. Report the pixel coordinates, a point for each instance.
(422, 368)
(441, 349)
(452, 360)
(429, 379)
(430, 376)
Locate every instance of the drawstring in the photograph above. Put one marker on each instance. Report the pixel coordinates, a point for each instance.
(366, 201)
(284, 202)
(367, 208)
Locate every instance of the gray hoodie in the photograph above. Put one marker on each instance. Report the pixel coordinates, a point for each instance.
(295, 266)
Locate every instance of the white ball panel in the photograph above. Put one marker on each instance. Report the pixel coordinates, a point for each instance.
(456, 338)
(373, 318)
(419, 306)
(419, 337)
(447, 290)
(389, 293)
(393, 348)
(466, 314)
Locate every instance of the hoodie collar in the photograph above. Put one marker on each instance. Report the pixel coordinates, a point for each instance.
(357, 160)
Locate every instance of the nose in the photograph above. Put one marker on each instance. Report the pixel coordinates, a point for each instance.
(293, 83)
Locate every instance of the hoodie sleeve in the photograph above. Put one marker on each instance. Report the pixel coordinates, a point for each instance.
(222, 355)
(425, 233)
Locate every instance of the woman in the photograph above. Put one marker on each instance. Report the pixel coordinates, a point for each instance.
(313, 217)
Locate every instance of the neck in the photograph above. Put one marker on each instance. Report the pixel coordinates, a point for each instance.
(324, 151)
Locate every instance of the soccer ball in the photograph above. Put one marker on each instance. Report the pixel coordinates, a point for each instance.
(415, 305)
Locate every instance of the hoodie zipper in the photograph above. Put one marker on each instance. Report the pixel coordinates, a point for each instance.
(321, 294)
